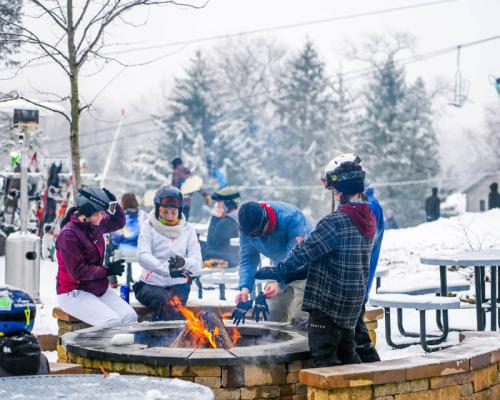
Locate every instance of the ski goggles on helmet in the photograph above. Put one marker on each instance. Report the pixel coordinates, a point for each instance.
(108, 206)
(168, 201)
(332, 178)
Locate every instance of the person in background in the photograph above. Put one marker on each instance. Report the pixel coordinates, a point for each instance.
(20, 352)
(125, 239)
(433, 206)
(169, 253)
(493, 196)
(390, 220)
(82, 285)
(273, 229)
(179, 175)
(222, 228)
(337, 255)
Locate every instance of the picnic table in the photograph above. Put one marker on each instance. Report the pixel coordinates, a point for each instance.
(479, 259)
(115, 387)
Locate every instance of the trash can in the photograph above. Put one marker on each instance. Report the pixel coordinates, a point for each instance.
(22, 262)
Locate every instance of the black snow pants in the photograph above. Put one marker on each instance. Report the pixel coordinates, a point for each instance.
(329, 343)
(364, 347)
(157, 299)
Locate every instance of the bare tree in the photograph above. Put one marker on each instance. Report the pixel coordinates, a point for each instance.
(79, 35)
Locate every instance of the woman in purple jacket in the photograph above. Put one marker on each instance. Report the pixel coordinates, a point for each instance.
(82, 284)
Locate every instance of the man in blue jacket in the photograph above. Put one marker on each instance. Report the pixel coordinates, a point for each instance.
(271, 228)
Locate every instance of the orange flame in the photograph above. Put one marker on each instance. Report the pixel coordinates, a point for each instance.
(235, 335)
(200, 333)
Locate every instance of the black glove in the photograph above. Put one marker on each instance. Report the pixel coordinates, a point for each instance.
(116, 267)
(240, 311)
(181, 274)
(176, 265)
(110, 195)
(261, 307)
(176, 262)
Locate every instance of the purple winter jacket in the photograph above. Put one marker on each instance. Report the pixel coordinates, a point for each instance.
(80, 252)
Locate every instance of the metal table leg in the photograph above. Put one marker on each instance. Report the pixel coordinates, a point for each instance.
(479, 296)
(444, 292)
(493, 270)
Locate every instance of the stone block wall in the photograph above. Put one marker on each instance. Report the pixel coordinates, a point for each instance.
(240, 382)
(468, 371)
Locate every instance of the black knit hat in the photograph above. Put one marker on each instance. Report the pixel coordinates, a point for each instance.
(348, 178)
(252, 218)
(176, 161)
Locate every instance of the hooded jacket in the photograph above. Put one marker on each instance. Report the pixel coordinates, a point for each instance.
(290, 224)
(338, 251)
(80, 250)
(379, 235)
(158, 242)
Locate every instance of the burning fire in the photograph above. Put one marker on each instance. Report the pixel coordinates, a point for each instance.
(235, 335)
(201, 334)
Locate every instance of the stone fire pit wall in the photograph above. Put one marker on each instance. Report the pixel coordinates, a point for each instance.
(467, 371)
(269, 371)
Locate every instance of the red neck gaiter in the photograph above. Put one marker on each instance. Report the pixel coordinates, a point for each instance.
(272, 217)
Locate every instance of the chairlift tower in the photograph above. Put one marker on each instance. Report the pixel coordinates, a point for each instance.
(461, 90)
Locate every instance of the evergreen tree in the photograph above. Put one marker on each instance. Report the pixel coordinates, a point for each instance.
(397, 141)
(305, 140)
(10, 13)
(193, 122)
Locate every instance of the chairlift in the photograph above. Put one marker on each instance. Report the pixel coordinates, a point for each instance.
(461, 91)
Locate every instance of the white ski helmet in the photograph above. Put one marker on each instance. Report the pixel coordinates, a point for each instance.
(335, 162)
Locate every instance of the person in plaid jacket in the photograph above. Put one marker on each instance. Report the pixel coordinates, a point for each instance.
(338, 253)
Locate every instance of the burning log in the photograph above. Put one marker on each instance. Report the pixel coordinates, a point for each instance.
(208, 332)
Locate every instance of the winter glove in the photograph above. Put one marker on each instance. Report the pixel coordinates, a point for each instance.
(261, 307)
(176, 265)
(239, 313)
(20, 354)
(110, 195)
(116, 267)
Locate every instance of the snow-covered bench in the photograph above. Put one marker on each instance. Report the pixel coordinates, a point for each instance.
(421, 288)
(422, 303)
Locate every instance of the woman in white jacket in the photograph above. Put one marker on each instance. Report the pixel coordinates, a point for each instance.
(169, 253)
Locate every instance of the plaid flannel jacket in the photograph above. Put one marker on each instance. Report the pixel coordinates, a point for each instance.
(339, 269)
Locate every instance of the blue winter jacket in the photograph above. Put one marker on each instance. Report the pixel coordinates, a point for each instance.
(126, 238)
(377, 243)
(291, 223)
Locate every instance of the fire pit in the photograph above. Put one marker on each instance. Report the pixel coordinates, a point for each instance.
(261, 361)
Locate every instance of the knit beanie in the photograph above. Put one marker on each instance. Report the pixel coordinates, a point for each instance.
(252, 218)
(348, 178)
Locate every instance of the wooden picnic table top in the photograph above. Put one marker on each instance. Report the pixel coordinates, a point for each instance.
(464, 259)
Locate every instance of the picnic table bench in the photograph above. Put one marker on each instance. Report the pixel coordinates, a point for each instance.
(422, 303)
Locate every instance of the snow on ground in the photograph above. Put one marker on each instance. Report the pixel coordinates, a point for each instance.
(400, 253)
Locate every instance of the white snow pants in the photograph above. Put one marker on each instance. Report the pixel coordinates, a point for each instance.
(109, 309)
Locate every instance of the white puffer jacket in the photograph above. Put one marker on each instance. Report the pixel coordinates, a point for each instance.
(158, 242)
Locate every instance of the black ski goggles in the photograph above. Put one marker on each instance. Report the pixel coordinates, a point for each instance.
(109, 207)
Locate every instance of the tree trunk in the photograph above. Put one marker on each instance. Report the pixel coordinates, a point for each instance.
(74, 101)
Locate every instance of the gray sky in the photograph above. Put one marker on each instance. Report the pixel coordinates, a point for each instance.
(435, 27)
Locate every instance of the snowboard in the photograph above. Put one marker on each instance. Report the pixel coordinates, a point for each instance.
(191, 185)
